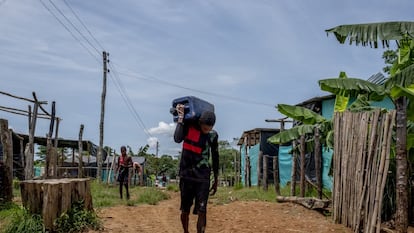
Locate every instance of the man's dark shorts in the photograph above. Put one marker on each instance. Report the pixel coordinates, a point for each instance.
(191, 190)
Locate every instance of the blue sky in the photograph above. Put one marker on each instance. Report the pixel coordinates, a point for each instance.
(244, 56)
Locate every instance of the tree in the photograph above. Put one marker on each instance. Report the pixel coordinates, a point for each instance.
(403, 77)
(41, 153)
(227, 159)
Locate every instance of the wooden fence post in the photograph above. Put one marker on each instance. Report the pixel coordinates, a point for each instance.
(29, 152)
(80, 151)
(302, 166)
(249, 175)
(259, 169)
(6, 141)
(276, 178)
(293, 177)
(265, 163)
(318, 163)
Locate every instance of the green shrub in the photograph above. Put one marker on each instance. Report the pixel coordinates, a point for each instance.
(21, 221)
(16, 184)
(152, 196)
(77, 219)
(173, 187)
(238, 186)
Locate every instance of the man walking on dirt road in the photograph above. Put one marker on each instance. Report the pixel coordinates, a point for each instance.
(124, 163)
(199, 139)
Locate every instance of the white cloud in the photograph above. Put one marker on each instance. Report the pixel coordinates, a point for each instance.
(152, 141)
(163, 128)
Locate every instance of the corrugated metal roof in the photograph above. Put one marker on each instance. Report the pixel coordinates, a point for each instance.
(378, 78)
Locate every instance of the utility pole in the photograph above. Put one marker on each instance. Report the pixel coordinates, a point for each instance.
(101, 124)
(157, 149)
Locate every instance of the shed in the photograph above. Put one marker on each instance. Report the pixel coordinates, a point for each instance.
(253, 144)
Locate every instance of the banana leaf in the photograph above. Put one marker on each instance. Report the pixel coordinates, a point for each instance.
(291, 134)
(300, 114)
(404, 78)
(341, 101)
(410, 141)
(373, 33)
(353, 87)
(399, 91)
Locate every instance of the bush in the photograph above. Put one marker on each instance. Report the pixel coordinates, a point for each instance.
(152, 197)
(238, 186)
(173, 187)
(77, 219)
(22, 222)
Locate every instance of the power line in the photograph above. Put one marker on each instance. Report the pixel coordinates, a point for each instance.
(70, 22)
(122, 91)
(84, 26)
(237, 99)
(118, 84)
(67, 29)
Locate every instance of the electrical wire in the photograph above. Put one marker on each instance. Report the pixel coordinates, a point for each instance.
(67, 29)
(84, 25)
(70, 22)
(152, 78)
(115, 77)
(115, 74)
(122, 91)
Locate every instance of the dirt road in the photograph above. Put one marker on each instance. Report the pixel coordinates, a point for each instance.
(238, 216)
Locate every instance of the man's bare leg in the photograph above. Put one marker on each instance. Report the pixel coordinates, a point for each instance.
(184, 221)
(201, 222)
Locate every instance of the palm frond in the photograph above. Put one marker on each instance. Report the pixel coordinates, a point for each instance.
(353, 87)
(373, 33)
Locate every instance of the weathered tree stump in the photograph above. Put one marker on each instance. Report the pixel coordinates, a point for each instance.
(50, 198)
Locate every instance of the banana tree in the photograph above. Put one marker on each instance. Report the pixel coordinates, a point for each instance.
(309, 119)
(373, 34)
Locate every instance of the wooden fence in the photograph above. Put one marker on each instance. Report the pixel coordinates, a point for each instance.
(360, 165)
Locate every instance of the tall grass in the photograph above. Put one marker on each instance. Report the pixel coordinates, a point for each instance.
(108, 195)
(21, 221)
(14, 218)
(226, 195)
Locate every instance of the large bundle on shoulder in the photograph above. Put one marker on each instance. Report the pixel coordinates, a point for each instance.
(193, 107)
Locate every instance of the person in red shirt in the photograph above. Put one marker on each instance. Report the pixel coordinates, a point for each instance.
(199, 142)
(124, 163)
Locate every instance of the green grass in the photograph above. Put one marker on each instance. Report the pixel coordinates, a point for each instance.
(14, 218)
(19, 220)
(226, 195)
(108, 195)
